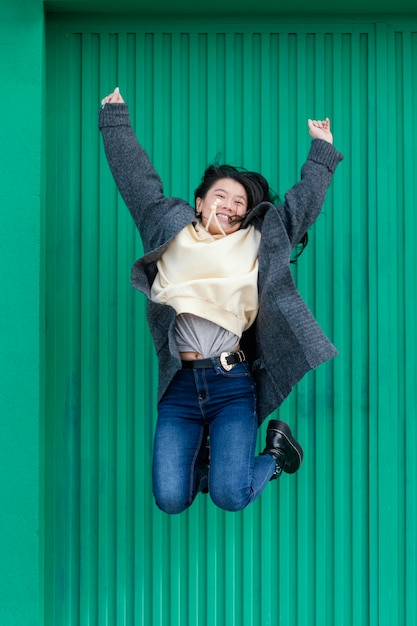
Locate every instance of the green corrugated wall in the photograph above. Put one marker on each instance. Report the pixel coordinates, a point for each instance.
(334, 545)
(21, 71)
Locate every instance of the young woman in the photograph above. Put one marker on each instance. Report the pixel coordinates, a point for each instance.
(231, 332)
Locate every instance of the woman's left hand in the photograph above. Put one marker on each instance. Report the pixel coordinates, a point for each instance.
(320, 129)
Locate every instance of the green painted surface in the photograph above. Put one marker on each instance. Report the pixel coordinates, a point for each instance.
(345, 535)
(336, 543)
(234, 7)
(21, 63)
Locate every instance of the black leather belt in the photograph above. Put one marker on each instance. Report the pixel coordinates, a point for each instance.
(227, 360)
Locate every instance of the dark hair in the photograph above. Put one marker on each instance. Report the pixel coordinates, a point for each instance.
(256, 186)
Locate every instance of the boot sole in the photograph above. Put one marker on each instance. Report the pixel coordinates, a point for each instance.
(293, 464)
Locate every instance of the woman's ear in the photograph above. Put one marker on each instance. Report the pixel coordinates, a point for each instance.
(197, 204)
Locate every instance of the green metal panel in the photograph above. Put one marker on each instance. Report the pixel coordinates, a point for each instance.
(335, 544)
(22, 50)
(263, 8)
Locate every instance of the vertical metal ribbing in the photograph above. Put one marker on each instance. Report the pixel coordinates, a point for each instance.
(409, 286)
(355, 194)
(333, 544)
(386, 353)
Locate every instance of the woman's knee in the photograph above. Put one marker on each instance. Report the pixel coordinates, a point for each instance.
(171, 505)
(171, 488)
(229, 499)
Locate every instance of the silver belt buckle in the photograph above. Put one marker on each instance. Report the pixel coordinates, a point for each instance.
(225, 365)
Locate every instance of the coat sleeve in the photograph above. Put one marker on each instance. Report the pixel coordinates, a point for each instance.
(136, 179)
(304, 201)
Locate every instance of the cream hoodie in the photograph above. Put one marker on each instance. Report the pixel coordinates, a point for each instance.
(211, 276)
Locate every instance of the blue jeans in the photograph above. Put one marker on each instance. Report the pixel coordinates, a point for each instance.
(226, 403)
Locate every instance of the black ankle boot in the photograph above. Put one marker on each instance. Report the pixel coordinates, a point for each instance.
(283, 447)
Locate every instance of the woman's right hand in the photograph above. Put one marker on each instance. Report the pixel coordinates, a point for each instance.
(320, 129)
(113, 98)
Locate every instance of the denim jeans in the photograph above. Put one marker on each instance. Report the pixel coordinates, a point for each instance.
(226, 403)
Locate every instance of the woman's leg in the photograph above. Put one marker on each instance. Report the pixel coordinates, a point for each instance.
(177, 446)
(228, 401)
(237, 477)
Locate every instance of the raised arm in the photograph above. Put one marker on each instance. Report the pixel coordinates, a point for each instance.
(304, 201)
(134, 174)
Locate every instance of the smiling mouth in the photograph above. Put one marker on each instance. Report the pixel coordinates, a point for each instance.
(225, 218)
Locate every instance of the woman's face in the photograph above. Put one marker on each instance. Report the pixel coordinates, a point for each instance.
(230, 198)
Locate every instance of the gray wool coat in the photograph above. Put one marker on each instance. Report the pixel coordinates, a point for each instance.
(285, 341)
